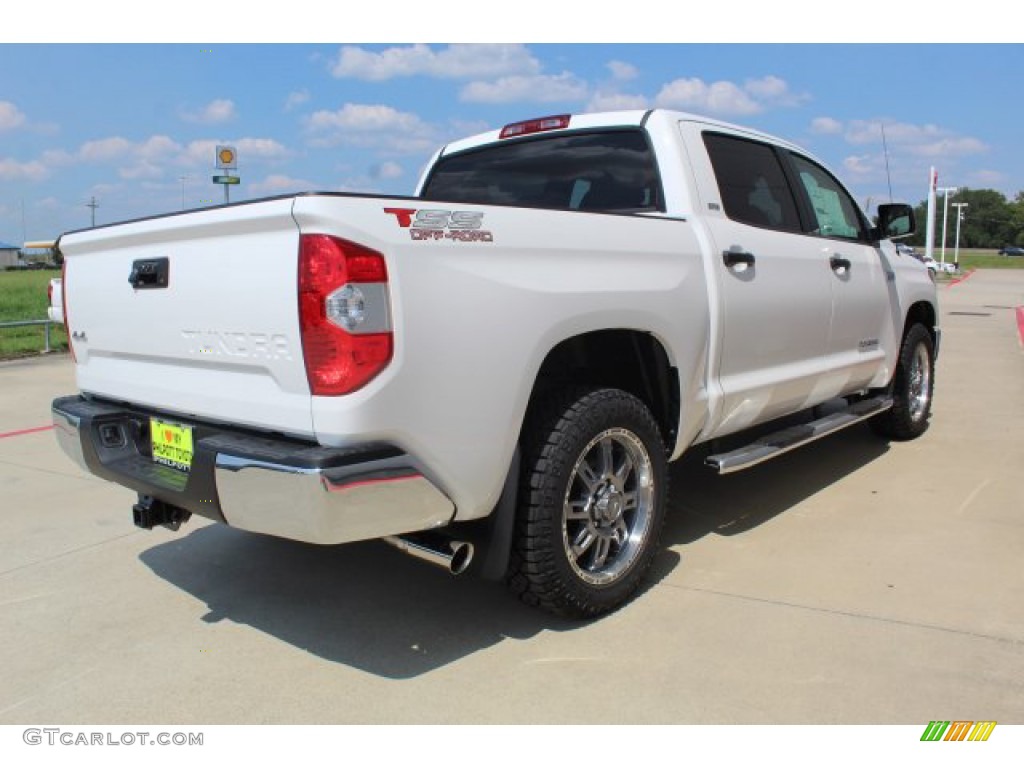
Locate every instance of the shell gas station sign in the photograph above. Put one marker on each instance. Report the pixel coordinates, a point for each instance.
(226, 160)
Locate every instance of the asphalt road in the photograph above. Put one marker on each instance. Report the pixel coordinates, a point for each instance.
(850, 582)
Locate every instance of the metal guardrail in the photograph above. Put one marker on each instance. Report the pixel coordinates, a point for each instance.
(21, 323)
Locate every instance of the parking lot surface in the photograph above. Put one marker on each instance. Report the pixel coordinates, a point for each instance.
(853, 581)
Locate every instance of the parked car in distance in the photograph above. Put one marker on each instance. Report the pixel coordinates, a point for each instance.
(1011, 250)
(947, 267)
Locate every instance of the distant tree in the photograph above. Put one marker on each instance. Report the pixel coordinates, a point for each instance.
(990, 220)
(986, 222)
(1016, 226)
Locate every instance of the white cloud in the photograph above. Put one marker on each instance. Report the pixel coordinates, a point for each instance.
(532, 88)
(773, 91)
(265, 149)
(609, 97)
(451, 62)
(862, 165)
(157, 147)
(102, 150)
(622, 71)
(927, 140)
(10, 116)
(365, 117)
(387, 170)
(296, 99)
(135, 160)
(371, 126)
(722, 97)
(56, 158)
(12, 170)
(826, 126)
(217, 111)
(949, 147)
(725, 97)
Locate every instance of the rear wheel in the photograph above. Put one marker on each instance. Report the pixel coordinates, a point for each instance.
(911, 388)
(592, 504)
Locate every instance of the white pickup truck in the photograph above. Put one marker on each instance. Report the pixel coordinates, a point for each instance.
(494, 373)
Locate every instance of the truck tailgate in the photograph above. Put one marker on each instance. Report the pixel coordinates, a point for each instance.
(209, 330)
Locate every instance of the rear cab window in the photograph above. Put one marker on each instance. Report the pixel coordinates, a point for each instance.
(610, 170)
(752, 183)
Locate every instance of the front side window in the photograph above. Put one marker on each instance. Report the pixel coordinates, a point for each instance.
(752, 183)
(835, 211)
(598, 171)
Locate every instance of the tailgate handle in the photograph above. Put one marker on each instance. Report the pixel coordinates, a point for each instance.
(149, 273)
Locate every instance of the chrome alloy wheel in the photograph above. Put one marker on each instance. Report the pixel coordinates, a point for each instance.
(608, 507)
(919, 383)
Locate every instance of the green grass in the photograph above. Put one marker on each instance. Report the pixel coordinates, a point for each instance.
(979, 258)
(23, 297)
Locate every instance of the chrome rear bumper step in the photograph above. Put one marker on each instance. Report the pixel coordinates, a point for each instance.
(785, 440)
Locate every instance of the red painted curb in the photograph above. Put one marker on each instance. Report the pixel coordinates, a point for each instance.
(24, 431)
(960, 279)
(1020, 324)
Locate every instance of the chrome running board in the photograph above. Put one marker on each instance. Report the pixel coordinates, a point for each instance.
(785, 440)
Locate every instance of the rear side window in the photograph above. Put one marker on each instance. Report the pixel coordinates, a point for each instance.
(752, 183)
(601, 171)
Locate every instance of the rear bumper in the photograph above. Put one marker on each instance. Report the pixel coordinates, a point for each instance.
(266, 484)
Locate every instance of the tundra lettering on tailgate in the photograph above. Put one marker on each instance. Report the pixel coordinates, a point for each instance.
(436, 224)
(260, 346)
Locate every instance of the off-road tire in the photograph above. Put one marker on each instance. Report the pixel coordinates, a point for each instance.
(592, 502)
(911, 389)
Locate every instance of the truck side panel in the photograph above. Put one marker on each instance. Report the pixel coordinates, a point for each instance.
(473, 322)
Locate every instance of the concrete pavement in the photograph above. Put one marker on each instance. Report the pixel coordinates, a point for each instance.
(853, 581)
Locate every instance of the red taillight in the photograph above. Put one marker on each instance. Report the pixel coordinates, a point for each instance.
(540, 124)
(342, 284)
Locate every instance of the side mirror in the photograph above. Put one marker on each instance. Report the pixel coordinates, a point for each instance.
(895, 220)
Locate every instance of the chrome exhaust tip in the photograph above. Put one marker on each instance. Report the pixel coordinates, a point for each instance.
(454, 556)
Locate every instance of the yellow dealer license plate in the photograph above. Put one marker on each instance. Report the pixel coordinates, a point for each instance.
(172, 444)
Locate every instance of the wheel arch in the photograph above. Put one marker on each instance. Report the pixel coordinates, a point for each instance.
(922, 312)
(631, 360)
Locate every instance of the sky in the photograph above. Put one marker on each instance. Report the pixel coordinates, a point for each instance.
(134, 126)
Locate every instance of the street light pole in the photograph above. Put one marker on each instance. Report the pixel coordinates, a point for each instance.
(183, 179)
(945, 213)
(959, 217)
